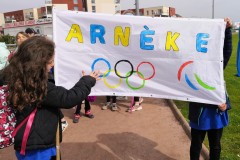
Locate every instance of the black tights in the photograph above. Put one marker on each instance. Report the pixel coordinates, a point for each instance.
(136, 99)
(214, 138)
(87, 107)
(113, 99)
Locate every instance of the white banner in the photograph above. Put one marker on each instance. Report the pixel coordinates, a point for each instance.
(172, 58)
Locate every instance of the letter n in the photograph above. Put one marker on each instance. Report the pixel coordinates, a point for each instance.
(122, 36)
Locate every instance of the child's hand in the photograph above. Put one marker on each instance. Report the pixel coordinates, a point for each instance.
(223, 107)
(228, 22)
(94, 74)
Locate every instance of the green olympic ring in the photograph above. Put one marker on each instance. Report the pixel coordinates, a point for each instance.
(135, 88)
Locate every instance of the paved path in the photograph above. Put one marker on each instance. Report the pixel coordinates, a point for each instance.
(150, 134)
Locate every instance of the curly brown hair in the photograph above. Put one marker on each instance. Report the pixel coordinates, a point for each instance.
(27, 73)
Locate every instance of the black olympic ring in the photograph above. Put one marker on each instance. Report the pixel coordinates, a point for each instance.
(115, 69)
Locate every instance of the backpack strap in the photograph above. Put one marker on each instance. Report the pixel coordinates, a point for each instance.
(29, 119)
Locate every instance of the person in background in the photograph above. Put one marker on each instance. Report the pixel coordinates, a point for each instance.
(28, 89)
(20, 37)
(135, 105)
(210, 119)
(4, 53)
(31, 32)
(109, 104)
(87, 109)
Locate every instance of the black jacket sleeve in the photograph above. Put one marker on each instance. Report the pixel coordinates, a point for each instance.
(227, 48)
(62, 98)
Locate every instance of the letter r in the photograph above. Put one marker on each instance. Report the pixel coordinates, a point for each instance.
(97, 31)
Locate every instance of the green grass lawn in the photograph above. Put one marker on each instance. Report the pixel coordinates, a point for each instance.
(231, 134)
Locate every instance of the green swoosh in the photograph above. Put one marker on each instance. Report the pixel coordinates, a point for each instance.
(204, 85)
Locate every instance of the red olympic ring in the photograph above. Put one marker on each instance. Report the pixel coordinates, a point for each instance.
(148, 77)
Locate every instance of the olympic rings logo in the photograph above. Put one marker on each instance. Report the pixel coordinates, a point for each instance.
(190, 84)
(127, 76)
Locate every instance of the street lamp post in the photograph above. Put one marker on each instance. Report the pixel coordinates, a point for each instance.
(137, 7)
(212, 9)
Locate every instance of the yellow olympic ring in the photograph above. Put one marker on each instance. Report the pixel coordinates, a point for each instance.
(108, 85)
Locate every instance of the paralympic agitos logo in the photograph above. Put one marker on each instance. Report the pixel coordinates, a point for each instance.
(190, 84)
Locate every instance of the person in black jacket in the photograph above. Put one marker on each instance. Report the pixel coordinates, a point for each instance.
(28, 86)
(210, 119)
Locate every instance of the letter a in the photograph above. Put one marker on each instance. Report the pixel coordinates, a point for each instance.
(75, 32)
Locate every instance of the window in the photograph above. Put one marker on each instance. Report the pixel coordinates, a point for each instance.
(93, 8)
(75, 1)
(49, 9)
(84, 3)
(75, 8)
(93, 1)
(147, 13)
(8, 18)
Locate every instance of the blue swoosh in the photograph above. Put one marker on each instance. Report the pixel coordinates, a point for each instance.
(190, 83)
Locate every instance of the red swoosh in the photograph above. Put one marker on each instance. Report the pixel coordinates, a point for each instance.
(181, 68)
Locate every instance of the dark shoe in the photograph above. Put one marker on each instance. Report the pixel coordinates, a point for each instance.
(76, 118)
(89, 114)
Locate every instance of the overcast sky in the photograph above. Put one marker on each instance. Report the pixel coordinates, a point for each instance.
(186, 8)
(193, 8)
(13, 5)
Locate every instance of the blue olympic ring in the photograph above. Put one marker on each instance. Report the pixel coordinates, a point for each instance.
(102, 59)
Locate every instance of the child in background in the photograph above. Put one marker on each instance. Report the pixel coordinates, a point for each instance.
(87, 111)
(135, 105)
(31, 32)
(20, 37)
(109, 104)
